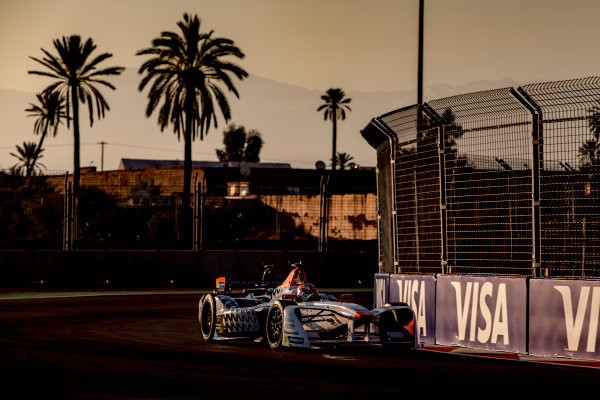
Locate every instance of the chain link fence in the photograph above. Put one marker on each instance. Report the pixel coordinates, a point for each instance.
(231, 208)
(502, 182)
(31, 212)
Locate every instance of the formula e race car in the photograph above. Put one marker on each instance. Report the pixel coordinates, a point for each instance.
(295, 314)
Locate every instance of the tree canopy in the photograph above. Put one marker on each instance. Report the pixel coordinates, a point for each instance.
(240, 145)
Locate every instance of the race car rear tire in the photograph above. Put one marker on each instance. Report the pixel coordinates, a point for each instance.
(393, 321)
(274, 324)
(207, 317)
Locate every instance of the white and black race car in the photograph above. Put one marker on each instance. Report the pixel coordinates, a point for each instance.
(295, 314)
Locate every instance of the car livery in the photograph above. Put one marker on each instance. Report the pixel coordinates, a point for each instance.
(295, 314)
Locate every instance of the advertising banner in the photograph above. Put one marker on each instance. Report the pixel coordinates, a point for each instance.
(482, 312)
(381, 290)
(563, 317)
(418, 291)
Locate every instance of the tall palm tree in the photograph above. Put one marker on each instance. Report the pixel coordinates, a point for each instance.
(334, 108)
(49, 112)
(28, 154)
(185, 70)
(76, 78)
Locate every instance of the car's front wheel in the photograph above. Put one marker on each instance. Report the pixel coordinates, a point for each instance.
(207, 317)
(274, 328)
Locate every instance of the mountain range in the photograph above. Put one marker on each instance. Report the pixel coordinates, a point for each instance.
(292, 130)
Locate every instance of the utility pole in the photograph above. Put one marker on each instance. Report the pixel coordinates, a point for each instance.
(420, 62)
(102, 144)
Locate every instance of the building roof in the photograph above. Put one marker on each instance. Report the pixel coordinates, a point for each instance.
(136, 163)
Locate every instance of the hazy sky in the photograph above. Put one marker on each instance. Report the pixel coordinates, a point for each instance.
(358, 45)
(354, 44)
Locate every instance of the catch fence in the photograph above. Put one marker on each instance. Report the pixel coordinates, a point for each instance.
(229, 208)
(502, 182)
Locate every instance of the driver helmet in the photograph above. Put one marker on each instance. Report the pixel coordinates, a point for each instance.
(307, 292)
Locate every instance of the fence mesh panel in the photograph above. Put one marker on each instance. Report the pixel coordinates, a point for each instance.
(488, 187)
(516, 178)
(569, 180)
(31, 212)
(258, 209)
(417, 199)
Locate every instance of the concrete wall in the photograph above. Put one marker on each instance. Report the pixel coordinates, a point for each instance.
(155, 268)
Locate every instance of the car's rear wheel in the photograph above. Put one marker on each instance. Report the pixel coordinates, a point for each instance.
(207, 317)
(393, 321)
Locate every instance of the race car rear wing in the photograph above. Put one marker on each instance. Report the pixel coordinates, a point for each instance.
(224, 285)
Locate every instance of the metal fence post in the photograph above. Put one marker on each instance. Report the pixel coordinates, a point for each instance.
(324, 212)
(196, 218)
(536, 165)
(443, 212)
(68, 217)
(393, 152)
(198, 214)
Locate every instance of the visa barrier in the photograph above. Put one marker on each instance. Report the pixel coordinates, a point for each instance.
(541, 317)
(482, 312)
(563, 318)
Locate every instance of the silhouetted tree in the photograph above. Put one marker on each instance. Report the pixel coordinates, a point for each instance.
(184, 70)
(254, 144)
(589, 151)
(49, 112)
(239, 145)
(334, 108)
(28, 154)
(344, 160)
(77, 78)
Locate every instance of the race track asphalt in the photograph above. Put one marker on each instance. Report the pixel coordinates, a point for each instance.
(149, 347)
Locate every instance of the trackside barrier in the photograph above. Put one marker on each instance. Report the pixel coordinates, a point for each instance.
(381, 289)
(563, 318)
(418, 291)
(482, 312)
(541, 317)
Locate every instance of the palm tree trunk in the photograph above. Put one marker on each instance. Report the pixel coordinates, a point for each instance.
(333, 149)
(186, 211)
(38, 149)
(76, 144)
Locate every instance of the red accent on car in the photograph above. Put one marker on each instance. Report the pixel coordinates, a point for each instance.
(410, 327)
(363, 315)
(295, 278)
(221, 285)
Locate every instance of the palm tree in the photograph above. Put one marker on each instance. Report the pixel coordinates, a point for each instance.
(28, 155)
(344, 160)
(334, 107)
(76, 77)
(50, 112)
(184, 70)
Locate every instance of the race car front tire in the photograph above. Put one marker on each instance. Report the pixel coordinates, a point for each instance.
(274, 324)
(207, 317)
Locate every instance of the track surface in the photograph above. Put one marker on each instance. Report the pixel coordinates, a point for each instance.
(148, 346)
